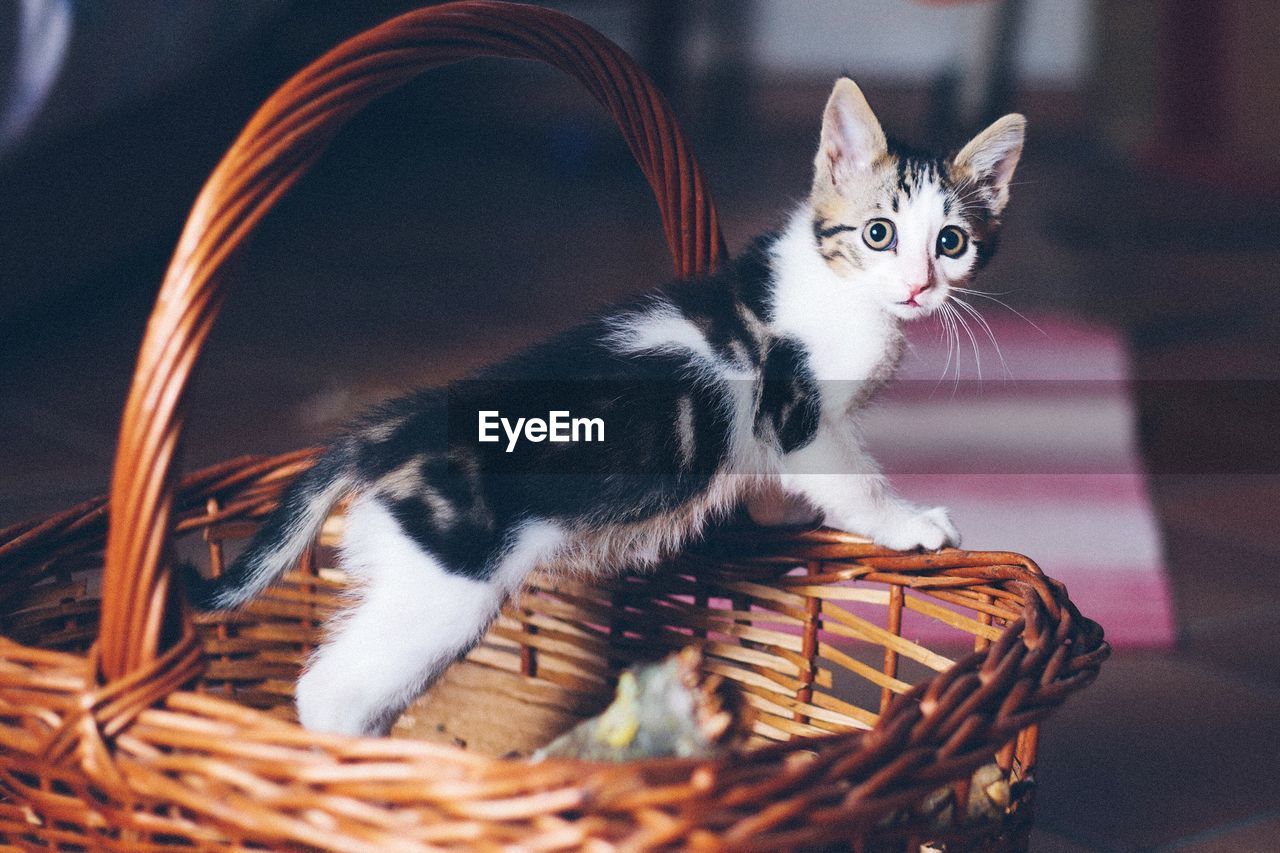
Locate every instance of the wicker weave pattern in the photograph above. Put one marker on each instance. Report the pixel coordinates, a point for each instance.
(202, 768)
(169, 731)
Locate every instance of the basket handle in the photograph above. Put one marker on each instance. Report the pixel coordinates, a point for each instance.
(283, 139)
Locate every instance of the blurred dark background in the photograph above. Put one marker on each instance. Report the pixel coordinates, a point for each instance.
(487, 204)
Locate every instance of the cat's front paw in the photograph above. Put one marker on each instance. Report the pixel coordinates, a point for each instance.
(929, 529)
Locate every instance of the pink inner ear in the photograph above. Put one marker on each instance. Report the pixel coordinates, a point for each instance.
(1005, 165)
(997, 159)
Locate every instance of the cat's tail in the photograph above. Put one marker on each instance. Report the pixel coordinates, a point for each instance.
(281, 539)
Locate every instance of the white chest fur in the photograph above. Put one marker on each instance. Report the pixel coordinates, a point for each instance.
(851, 341)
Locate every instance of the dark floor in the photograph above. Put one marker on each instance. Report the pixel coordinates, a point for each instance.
(410, 256)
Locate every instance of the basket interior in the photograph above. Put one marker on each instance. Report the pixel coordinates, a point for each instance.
(810, 656)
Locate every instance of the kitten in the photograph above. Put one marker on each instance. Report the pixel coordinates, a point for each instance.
(743, 386)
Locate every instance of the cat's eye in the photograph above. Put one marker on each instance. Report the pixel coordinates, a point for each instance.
(879, 234)
(952, 241)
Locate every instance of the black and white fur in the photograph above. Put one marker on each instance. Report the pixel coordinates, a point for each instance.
(743, 386)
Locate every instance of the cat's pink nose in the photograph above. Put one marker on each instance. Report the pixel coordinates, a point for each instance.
(916, 291)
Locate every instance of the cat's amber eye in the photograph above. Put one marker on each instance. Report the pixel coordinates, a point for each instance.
(952, 241)
(879, 234)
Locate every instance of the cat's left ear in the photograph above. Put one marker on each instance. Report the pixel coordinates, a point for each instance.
(990, 158)
(852, 140)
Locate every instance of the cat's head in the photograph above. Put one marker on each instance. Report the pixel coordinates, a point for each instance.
(905, 226)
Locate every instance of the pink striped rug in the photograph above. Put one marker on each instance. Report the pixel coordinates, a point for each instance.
(1039, 456)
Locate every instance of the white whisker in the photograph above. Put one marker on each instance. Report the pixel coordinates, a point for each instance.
(973, 339)
(953, 344)
(982, 321)
(973, 292)
(1001, 302)
(944, 328)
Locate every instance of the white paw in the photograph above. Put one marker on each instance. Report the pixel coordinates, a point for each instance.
(929, 529)
(327, 704)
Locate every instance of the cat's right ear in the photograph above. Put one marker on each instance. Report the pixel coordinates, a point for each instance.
(852, 140)
(990, 158)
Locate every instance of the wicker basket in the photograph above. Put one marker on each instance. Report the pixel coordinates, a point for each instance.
(125, 723)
